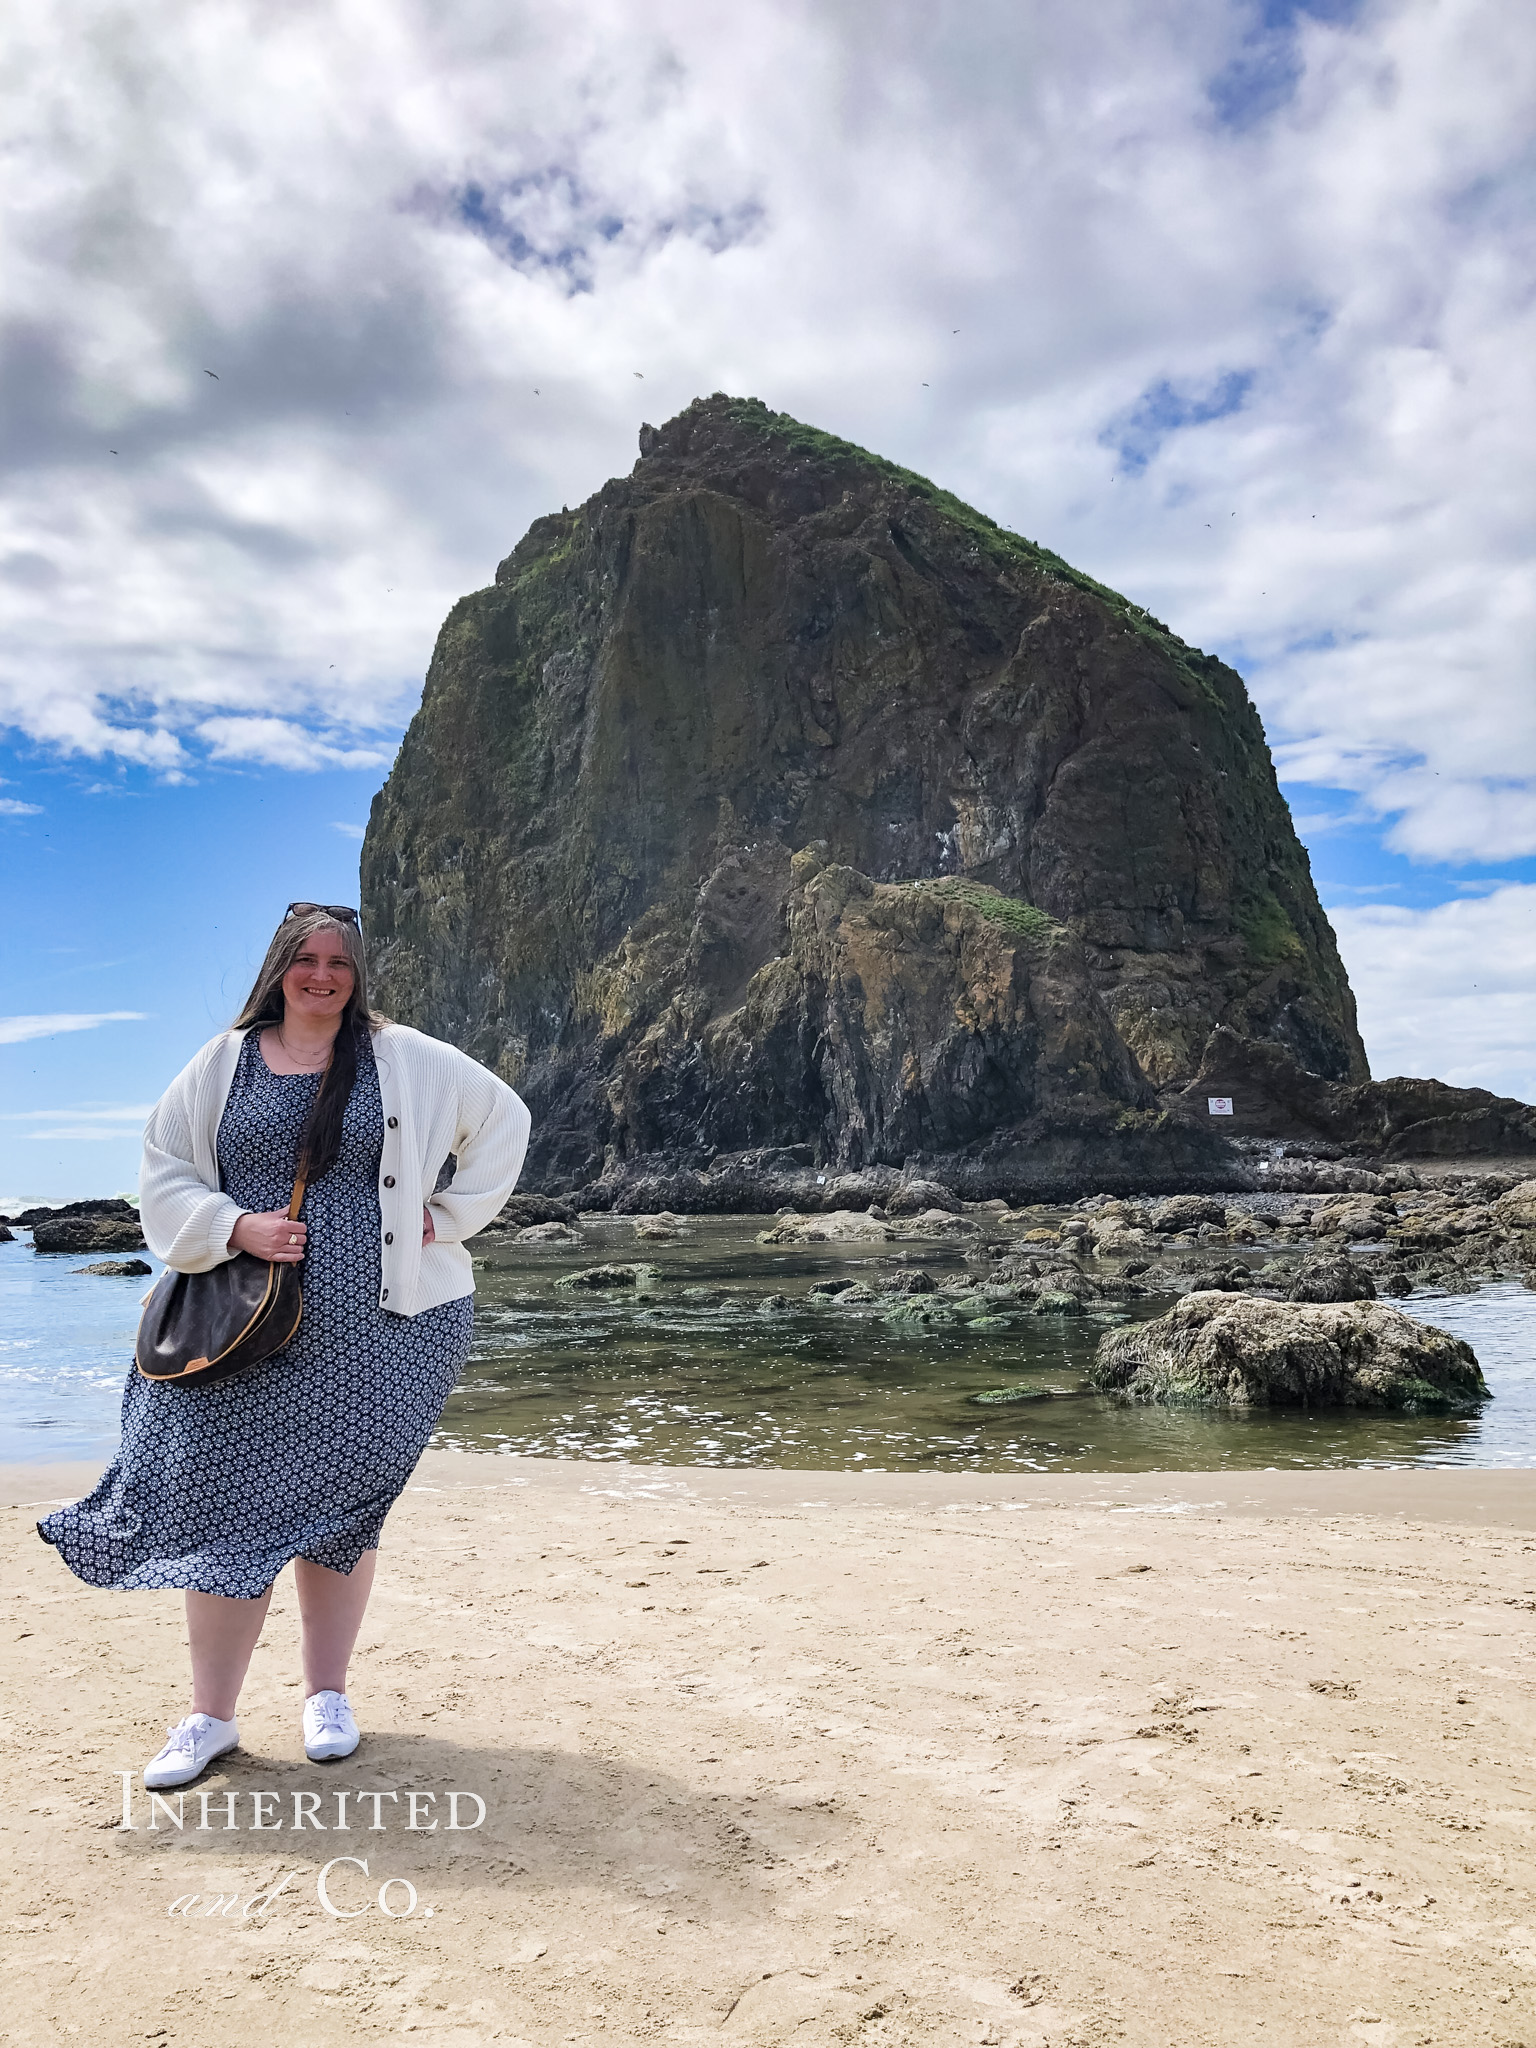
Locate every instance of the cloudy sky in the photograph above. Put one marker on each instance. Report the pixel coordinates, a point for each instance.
(311, 308)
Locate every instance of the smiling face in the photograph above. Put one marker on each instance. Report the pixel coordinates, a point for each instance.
(317, 985)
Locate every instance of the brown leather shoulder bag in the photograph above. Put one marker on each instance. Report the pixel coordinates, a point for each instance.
(200, 1327)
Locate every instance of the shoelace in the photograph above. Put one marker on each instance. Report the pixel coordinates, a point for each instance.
(329, 1709)
(183, 1738)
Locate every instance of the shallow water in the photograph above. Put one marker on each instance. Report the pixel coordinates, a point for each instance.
(667, 1380)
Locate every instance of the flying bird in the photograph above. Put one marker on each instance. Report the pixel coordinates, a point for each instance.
(638, 373)
(213, 374)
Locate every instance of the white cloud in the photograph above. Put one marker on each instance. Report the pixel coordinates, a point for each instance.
(350, 831)
(17, 1030)
(384, 228)
(13, 807)
(1448, 991)
(279, 743)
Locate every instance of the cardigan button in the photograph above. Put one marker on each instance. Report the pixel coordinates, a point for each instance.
(389, 1237)
(385, 1295)
(393, 1122)
(389, 1180)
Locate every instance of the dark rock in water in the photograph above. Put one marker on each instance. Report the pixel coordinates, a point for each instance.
(1331, 1279)
(910, 1283)
(89, 1233)
(774, 798)
(102, 1205)
(922, 1312)
(547, 1233)
(915, 1197)
(591, 1278)
(1052, 1301)
(118, 1269)
(7, 1235)
(1213, 1350)
(522, 1212)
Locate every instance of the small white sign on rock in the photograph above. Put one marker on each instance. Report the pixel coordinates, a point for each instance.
(1219, 1105)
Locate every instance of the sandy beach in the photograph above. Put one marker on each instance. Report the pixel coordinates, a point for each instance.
(809, 1757)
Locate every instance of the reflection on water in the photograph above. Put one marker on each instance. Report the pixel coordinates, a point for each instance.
(709, 1378)
(676, 1381)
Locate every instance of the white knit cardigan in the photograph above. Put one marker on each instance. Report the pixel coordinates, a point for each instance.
(437, 1100)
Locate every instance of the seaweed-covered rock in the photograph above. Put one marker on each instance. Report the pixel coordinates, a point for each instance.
(594, 1278)
(91, 1233)
(914, 1197)
(547, 1233)
(937, 1224)
(842, 1226)
(1331, 1279)
(1186, 1212)
(1052, 1301)
(922, 1312)
(1516, 1208)
(118, 1269)
(909, 1283)
(1217, 1351)
(661, 1228)
(1359, 1218)
(1113, 1238)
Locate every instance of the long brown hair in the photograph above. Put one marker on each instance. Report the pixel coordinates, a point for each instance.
(320, 1140)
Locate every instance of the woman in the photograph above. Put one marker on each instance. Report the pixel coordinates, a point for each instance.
(215, 1488)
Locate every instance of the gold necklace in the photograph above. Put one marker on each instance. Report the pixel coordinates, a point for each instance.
(294, 1056)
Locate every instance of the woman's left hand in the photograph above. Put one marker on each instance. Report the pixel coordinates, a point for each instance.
(428, 1231)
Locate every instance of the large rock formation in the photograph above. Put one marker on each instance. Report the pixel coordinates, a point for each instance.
(776, 799)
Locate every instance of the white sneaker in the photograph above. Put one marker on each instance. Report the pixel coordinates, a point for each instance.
(194, 1744)
(329, 1729)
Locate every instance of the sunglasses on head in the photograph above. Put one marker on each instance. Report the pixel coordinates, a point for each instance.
(341, 911)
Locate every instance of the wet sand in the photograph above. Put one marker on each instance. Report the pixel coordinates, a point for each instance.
(814, 1757)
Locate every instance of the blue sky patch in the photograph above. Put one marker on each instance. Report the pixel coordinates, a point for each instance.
(1265, 72)
(1166, 408)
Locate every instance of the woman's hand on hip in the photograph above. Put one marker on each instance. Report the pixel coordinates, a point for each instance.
(269, 1235)
(428, 1227)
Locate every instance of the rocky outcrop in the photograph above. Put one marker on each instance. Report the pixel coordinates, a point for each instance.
(1274, 1096)
(777, 815)
(1235, 1351)
(88, 1233)
(100, 1205)
(1331, 1279)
